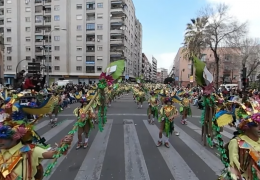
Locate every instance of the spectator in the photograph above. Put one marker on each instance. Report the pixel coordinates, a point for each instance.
(28, 84)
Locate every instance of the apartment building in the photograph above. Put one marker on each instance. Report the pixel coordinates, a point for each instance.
(229, 67)
(146, 68)
(162, 74)
(154, 69)
(78, 38)
(171, 70)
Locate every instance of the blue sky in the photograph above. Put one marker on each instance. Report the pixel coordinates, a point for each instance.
(164, 23)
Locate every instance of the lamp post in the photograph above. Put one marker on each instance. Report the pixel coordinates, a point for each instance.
(48, 55)
(181, 75)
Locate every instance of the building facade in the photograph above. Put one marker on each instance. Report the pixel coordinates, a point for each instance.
(146, 68)
(229, 67)
(79, 38)
(162, 74)
(154, 69)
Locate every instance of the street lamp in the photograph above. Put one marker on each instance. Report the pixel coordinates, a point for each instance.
(181, 76)
(48, 54)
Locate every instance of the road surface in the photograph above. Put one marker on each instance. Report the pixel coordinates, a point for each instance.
(126, 149)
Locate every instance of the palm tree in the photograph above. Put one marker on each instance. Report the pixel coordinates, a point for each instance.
(194, 38)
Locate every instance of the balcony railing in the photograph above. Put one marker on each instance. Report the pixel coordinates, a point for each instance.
(90, 71)
(90, 50)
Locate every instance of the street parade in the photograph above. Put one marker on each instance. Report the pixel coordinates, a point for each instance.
(22, 148)
(129, 90)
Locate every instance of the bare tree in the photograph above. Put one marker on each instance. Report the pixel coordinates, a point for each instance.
(220, 28)
(248, 51)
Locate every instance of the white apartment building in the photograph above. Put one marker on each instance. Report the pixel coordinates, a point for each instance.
(78, 37)
(146, 68)
(154, 69)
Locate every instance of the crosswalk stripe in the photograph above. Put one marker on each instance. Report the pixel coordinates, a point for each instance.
(93, 162)
(178, 167)
(41, 125)
(211, 160)
(135, 166)
(198, 130)
(52, 133)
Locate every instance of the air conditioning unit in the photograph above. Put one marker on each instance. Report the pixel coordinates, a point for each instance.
(98, 40)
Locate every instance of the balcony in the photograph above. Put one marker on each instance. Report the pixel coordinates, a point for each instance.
(117, 41)
(2, 21)
(90, 6)
(2, 3)
(90, 48)
(48, 10)
(90, 39)
(90, 69)
(38, 1)
(116, 4)
(91, 16)
(2, 12)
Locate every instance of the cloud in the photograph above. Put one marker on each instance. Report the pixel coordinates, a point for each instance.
(164, 60)
(244, 11)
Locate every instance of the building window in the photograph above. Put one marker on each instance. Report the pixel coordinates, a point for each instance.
(27, 19)
(79, 48)
(91, 26)
(56, 48)
(79, 68)
(99, 15)
(56, 58)
(9, 68)
(79, 17)
(99, 68)
(8, 10)
(27, 9)
(28, 39)
(9, 39)
(99, 48)
(99, 58)
(189, 66)
(56, 38)
(99, 37)
(28, 48)
(90, 69)
(79, 6)
(79, 58)
(99, 5)
(9, 58)
(90, 6)
(27, 29)
(8, 1)
(56, 7)
(90, 59)
(79, 38)
(9, 20)
(56, 18)
(8, 30)
(79, 27)
(100, 26)
(28, 58)
(9, 49)
(56, 68)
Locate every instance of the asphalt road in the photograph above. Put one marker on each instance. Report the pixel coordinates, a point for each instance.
(126, 149)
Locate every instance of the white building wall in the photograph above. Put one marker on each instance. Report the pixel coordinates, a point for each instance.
(67, 62)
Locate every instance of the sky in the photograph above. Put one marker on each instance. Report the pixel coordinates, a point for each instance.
(164, 23)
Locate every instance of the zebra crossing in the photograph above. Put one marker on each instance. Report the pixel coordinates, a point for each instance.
(126, 150)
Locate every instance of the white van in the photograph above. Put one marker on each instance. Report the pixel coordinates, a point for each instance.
(229, 86)
(61, 83)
